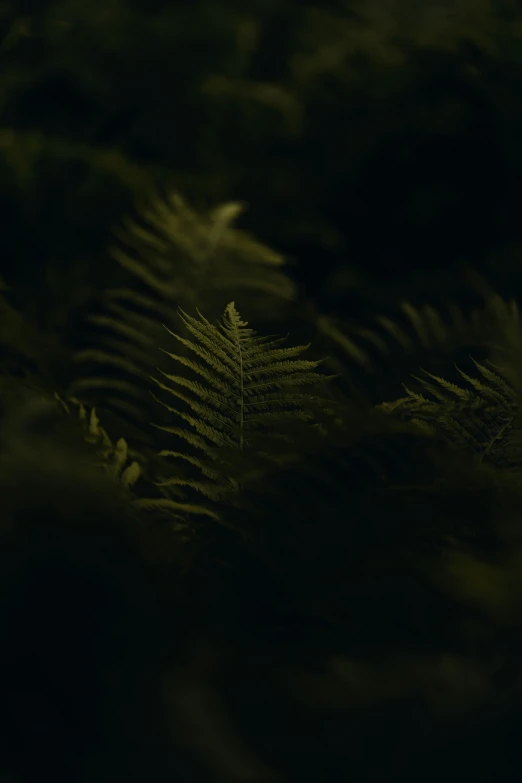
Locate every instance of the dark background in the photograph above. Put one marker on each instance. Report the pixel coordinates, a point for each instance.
(377, 145)
(371, 141)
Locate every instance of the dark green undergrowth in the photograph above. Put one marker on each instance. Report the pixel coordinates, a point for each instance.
(228, 554)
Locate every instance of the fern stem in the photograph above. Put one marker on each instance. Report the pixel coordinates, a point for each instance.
(241, 397)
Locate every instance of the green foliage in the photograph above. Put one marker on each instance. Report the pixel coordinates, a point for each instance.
(87, 85)
(428, 327)
(484, 418)
(27, 153)
(241, 385)
(115, 457)
(178, 257)
(356, 517)
(187, 257)
(374, 358)
(389, 533)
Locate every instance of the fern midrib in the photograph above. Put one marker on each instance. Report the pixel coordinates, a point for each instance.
(241, 399)
(241, 395)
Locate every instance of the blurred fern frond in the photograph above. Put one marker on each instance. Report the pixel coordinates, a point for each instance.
(394, 345)
(187, 256)
(116, 459)
(25, 152)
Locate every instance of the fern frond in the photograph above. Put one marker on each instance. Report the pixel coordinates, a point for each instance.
(397, 344)
(240, 369)
(484, 418)
(178, 257)
(245, 385)
(219, 256)
(26, 151)
(115, 458)
(172, 507)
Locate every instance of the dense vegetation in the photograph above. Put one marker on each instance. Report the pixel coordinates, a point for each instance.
(260, 390)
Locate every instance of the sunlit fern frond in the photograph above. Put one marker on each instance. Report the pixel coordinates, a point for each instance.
(238, 386)
(174, 256)
(483, 417)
